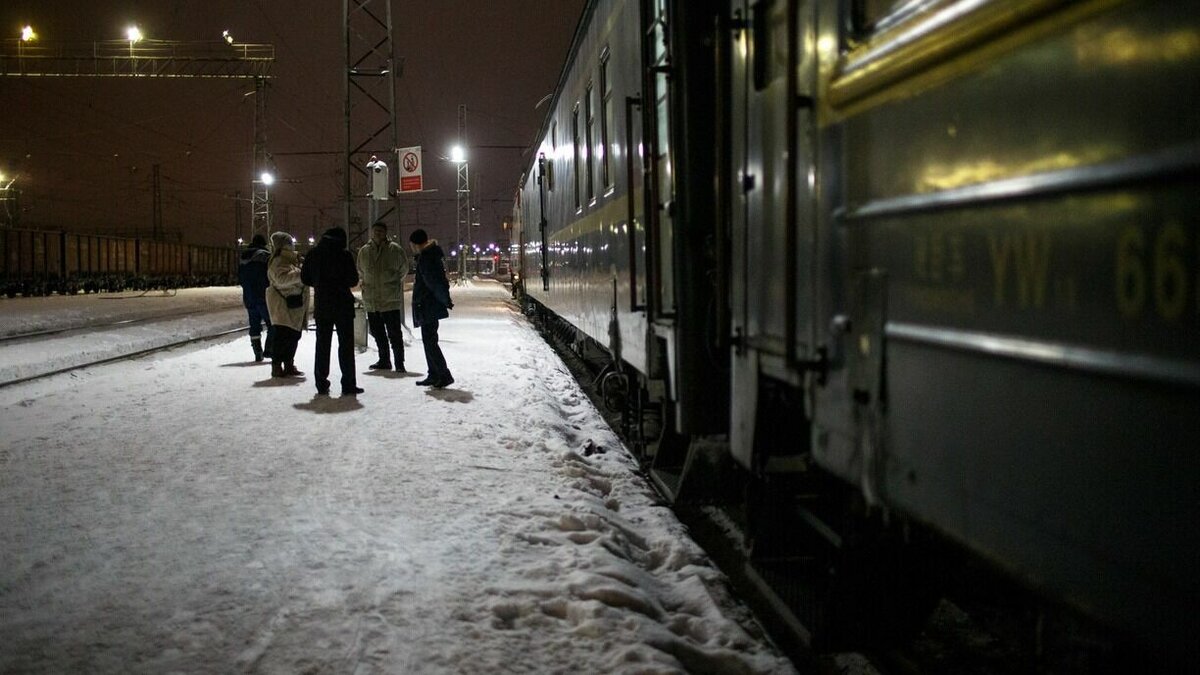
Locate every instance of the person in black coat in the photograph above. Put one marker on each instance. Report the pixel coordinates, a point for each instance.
(252, 275)
(330, 270)
(430, 304)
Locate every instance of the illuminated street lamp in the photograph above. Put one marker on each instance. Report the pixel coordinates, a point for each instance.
(459, 156)
(27, 35)
(227, 37)
(133, 34)
(267, 179)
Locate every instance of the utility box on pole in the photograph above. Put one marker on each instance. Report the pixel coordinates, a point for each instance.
(378, 170)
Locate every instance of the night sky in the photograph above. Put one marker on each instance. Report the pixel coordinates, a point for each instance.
(84, 148)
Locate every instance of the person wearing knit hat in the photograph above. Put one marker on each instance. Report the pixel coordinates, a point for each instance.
(431, 303)
(330, 270)
(252, 275)
(288, 303)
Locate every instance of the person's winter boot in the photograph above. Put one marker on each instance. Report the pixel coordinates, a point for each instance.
(289, 370)
(256, 343)
(381, 364)
(277, 369)
(398, 359)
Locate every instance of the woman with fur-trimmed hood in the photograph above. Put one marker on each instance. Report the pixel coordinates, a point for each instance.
(283, 272)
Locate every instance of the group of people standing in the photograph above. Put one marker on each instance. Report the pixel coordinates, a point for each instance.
(275, 285)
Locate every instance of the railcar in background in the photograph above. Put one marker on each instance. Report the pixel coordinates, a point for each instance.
(41, 262)
(910, 274)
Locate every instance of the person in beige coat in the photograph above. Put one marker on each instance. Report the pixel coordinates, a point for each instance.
(287, 302)
(382, 266)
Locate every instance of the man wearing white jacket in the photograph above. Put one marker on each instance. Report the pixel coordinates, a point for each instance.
(382, 266)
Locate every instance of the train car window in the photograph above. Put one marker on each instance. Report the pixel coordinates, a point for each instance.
(606, 121)
(590, 146)
(577, 165)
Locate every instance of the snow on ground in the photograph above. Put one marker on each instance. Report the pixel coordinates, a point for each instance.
(183, 512)
(193, 306)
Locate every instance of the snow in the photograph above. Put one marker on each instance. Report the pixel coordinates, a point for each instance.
(183, 512)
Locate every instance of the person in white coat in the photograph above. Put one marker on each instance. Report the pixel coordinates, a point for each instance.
(382, 266)
(287, 302)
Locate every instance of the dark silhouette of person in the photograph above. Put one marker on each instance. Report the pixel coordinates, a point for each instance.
(329, 269)
(431, 303)
(252, 275)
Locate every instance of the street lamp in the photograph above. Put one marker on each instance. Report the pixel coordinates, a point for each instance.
(27, 35)
(458, 155)
(133, 34)
(227, 37)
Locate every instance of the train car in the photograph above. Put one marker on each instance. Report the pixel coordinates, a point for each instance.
(919, 271)
(39, 262)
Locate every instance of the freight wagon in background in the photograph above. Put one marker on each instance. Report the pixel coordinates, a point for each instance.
(42, 262)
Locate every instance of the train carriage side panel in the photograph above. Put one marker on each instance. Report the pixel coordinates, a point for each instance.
(585, 246)
(1024, 334)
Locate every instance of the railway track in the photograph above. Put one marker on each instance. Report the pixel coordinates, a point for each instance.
(122, 357)
(89, 327)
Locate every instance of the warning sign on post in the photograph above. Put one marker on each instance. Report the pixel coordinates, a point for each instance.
(410, 169)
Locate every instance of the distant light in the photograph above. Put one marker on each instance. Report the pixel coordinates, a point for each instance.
(27, 34)
(240, 241)
(457, 154)
(133, 33)
(227, 37)
(267, 178)
(311, 240)
(3, 177)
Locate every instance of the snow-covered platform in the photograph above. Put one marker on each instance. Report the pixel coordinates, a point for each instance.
(184, 512)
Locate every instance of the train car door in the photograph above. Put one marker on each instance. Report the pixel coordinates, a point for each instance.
(773, 213)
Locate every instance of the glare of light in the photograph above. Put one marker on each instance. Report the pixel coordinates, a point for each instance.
(27, 34)
(267, 179)
(3, 177)
(240, 241)
(133, 33)
(457, 154)
(312, 240)
(227, 37)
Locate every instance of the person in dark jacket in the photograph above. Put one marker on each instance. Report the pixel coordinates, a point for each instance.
(330, 270)
(430, 302)
(252, 275)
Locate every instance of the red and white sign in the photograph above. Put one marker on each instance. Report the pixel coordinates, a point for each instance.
(410, 169)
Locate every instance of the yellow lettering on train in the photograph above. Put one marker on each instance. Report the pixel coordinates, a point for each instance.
(1170, 272)
(1131, 275)
(1029, 255)
(1158, 274)
(1033, 265)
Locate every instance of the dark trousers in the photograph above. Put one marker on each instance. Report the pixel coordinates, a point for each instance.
(385, 327)
(433, 353)
(285, 343)
(345, 333)
(256, 316)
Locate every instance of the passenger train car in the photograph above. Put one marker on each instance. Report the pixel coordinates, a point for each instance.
(40, 262)
(907, 273)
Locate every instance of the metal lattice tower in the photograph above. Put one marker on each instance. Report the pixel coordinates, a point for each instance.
(260, 197)
(464, 195)
(371, 73)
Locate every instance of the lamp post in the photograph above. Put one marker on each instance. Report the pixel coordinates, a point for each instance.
(459, 156)
(27, 35)
(133, 34)
(260, 204)
(7, 197)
